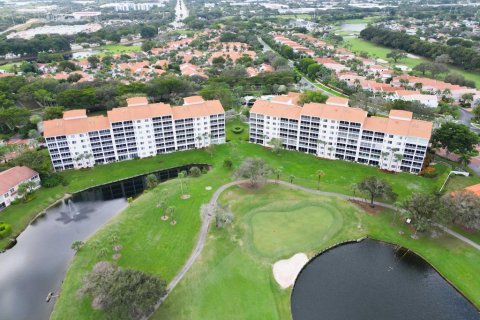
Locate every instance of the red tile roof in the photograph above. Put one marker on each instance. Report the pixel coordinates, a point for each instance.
(14, 176)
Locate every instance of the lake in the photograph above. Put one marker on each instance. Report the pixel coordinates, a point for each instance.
(375, 280)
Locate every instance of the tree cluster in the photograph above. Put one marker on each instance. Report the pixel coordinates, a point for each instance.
(466, 58)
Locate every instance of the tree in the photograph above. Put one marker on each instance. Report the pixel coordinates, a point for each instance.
(55, 112)
(219, 91)
(456, 138)
(35, 119)
(170, 210)
(25, 189)
(312, 96)
(464, 208)
(223, 216)
(467, 98)
(37, 160)
(147, 46)
(319, 175)
(77, 245)
(276, 144)
(425, 210)
(195, 171)
(122, 293)
(181, 176)
(443, 58)
(94, 61)
(148, 32)
(254, 169)
(422, 67)
(476, 112)
(397, 55)
(13, 118)
(152, 181)
(376, 188)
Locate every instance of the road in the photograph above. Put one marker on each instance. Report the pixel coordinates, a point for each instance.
(207, 212)
(304, 83)
(181, 12)
(466, 118)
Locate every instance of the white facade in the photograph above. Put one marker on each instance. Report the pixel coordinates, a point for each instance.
(342, 139)
(137, 138)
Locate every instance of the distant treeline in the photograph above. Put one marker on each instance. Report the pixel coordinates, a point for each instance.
(40, 43)
(462, 57)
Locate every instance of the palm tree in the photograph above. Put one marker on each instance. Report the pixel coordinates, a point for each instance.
(398, 157)
(384, 155)
(319, 175)
(277, 172)
(292, 177)
(391, 158)
(171, 210)
(198, 138)
(181, 176)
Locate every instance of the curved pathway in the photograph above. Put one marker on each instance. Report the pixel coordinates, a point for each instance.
(208, 213)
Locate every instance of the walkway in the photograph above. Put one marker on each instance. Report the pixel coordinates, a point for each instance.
(207, 215)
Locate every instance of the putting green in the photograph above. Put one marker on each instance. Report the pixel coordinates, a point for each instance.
(290, 226)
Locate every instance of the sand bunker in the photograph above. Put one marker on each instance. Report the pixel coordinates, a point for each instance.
(286, 271)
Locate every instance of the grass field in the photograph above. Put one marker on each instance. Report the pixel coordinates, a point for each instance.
(358, 45)
(233, 277)
(241, 260)
(118, 49)
(340, 176)
(8, 67)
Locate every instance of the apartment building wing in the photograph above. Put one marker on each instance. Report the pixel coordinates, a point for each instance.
(11, 179)
(137, 131)
(396, 143)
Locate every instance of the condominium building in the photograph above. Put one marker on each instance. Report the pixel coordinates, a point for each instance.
(137, 131)
(396, 143)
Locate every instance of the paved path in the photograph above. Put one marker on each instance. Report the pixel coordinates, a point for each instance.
(208, 213)
(459, 236)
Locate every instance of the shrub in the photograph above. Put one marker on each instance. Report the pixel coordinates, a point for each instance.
(5, 229)
(227, 163)
(195, 171)
(237, 129)
(122, 293)
(53, 180)
(430, 172)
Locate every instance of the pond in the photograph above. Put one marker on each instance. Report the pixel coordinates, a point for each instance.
(353, 27)
(375, 280)
(36, 265)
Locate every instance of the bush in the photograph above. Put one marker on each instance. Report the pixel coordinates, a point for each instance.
(122, 293)
(195, 171)
(227, 163)
(52, 180)
(5, 229)
(237, 129)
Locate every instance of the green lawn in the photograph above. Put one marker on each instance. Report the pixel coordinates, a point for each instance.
(232, 136)
(341, 176)
(8, 67)
(233, 277)
(118, 49)
(358, 45)
(243, 258)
